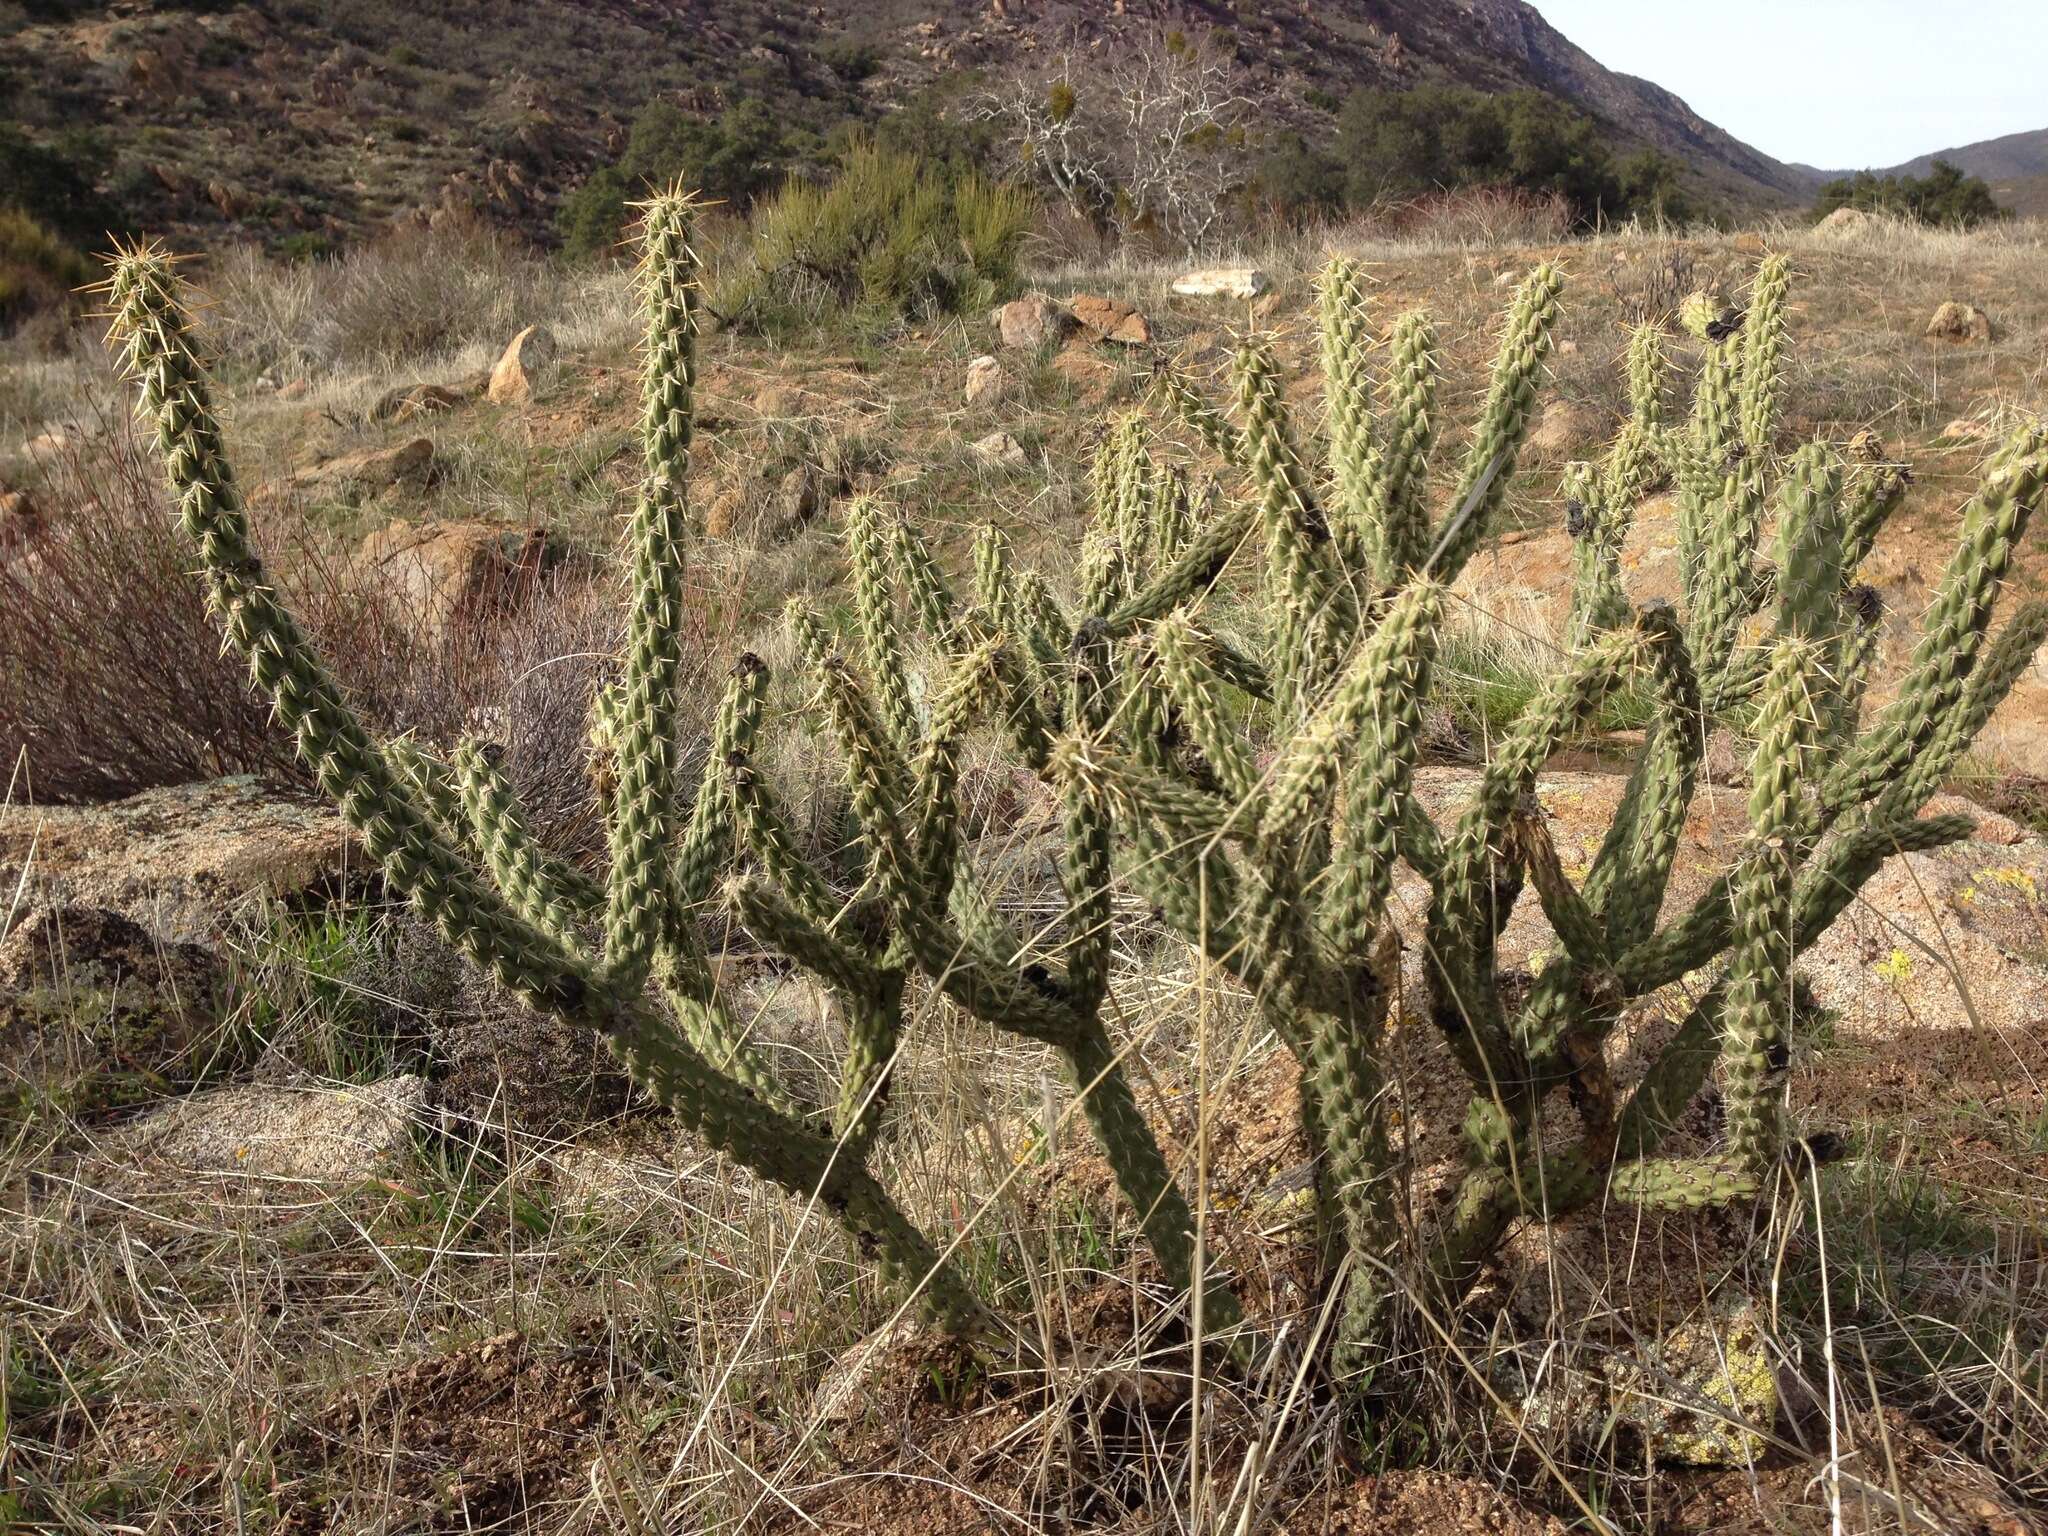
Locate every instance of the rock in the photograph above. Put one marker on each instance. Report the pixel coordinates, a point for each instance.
(798, 498)
(362, 476)
(322, 1134)
(1110, 319)
(413, 400)
(1703, 1395)
(1959, 324)
(1868, 447)
(1032, 321)
(1846, 223)
(177, 862)
(1966, 429)
(1267, 307)
(58, 439)
(1222, 283)
(1750, 243)
(524, 363)
(1565, 430)
(296, 389)
(1000, 448)
(984, 380)
(444, 575)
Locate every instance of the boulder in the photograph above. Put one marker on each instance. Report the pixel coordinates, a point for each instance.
(177, 862)
(1565, 430)
(319, 1134)
(444, 575)
(1222, 283)
(1959, 324)
(999, 448)
(778, 402)
(1966, 429)
(1110, 319)
(984, 380)
(1032, 321)
(362, 476)
(410, 401)
(1846, 223)
(522, 366)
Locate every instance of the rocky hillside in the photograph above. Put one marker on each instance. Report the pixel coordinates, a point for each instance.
(328, 120)
(2016, 166)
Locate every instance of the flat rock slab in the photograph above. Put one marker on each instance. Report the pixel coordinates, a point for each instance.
(179, 861)
(292, 1133)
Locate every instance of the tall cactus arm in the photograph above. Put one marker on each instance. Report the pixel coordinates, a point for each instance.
(1933, 682)
(643, 822)
(874, 602)
(1207, 423)
(1408, 419)
(931, 596)
(1347, 396)
(1191, 573)
(1196, 691)
(1503, 422)
(552, 895)
(1763, 339)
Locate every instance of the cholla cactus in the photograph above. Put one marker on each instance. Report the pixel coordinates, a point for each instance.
(1140, 709)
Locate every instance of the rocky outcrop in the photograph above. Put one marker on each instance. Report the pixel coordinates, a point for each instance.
(323, 1135)
(1033, 321)
(522, 367)
(1222, 283)
(441, 576)
(364, 475)
(178, 862)
(1113, 320)
(1959, 324)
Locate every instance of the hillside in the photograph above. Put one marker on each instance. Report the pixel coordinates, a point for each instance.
(2015, 164)
(326, 121)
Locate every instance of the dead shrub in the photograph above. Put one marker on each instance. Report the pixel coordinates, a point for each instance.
(113, 679)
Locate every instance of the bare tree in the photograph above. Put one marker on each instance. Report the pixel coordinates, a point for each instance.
(1143, 135)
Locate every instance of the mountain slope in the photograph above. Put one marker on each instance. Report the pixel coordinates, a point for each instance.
(329, 120)
(2016, 166)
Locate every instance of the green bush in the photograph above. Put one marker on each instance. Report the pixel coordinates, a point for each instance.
(732, 158)
(892, 233)
(36, 268)
(1944, 196)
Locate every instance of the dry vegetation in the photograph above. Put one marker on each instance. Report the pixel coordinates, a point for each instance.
(541, 1318)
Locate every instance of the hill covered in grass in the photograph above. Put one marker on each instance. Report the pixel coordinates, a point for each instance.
(307, 125)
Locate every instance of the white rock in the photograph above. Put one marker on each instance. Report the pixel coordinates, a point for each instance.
(984, 380)
(1222, 283)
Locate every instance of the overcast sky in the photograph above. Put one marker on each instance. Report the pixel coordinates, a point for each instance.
(1840, 84)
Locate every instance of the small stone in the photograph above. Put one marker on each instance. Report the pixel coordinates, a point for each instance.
(526, 359)
(1032, 321)
(1750, 243)
(320, 1134)
(1110, 319)
(297, 389)
(1000, 448)
(778, 402)
(984, 380)
(355, 476)
(1222, 283)
(1966, 429)
(1959, 324)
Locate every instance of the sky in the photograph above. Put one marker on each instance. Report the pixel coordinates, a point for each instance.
(1839, 84)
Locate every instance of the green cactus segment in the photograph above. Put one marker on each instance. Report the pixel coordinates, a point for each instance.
(1763, 340)
(1760, 969)
(1408, 433)
(874, 600)
(1202, 418)
(1347, 393)
(1503, 422)
(551, 895)
(642, 827)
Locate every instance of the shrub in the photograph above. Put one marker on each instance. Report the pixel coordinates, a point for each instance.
(1944, 196)
(890, 233)
(37, 270)
(1279, 872)
(729, 159)
(100, 592)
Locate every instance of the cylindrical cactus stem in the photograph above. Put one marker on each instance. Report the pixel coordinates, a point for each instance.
(1408, 432)
(1760, 969)
(1347, 404)
(643, 826)
(1763, 338)
(874, 606)
(1207, 423)
(1503, 422)
(931, 597)
(553, 896)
